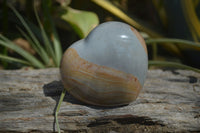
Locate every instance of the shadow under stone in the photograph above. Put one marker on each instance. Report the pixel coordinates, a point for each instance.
(54, 90)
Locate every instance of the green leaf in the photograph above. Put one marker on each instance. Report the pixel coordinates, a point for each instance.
(9, 44)
(172, 64)
(28, 39)
(107, 5)
(40, 50)
(81, 21)
(47, 5)
(191, 17)
(47, 43)
(170, 41)
(7, 58)
(57, 47)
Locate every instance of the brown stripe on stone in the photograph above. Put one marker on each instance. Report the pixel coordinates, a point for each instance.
(140, 38)
(96, 84)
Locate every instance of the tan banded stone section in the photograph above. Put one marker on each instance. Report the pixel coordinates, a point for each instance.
(98, 85)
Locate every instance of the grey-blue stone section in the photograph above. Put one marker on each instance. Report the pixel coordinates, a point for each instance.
(114, 44)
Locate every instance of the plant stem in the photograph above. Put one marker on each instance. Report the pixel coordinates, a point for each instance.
(58, 108)
(117, 12)
(172, 64)
(171, 41)
(154, 49)
(7, 58)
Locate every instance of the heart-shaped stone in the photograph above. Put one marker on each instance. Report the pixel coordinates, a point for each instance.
(108, 67)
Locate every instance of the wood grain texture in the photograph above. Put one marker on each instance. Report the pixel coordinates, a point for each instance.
(169, 102)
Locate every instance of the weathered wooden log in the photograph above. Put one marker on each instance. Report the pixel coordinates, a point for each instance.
(169, 102)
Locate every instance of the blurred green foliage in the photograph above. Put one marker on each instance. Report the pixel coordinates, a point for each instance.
(81, 21)
(171, 28)
(47, 50)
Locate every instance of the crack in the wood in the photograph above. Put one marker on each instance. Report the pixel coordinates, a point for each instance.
(190, 79)
(125, 120)
(74, 113)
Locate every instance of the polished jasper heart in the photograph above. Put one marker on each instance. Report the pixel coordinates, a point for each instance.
(106, 68)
